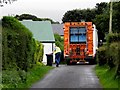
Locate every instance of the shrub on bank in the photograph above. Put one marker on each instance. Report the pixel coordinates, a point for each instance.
(101, 56)
(17, 45)
(38, 56)
(114, 56)
(113, 37)
(12, 80)
(60, 43)
(20, 52)
(111, 53)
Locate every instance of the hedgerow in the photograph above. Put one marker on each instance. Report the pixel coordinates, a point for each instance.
(17, 43)
(38, 56)
(20, 52)
(113, 37)
(101, 56)
(111, 53)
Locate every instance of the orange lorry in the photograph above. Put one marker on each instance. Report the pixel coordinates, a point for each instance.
(80, 42)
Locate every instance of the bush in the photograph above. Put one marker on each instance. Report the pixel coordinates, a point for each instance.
(101, 56)
(113, 56)
(113, 37)
(38, 56)
(17, 43)
(59, 41)
(20, 52)
(113, 52)
(8, 80)
(12, 81)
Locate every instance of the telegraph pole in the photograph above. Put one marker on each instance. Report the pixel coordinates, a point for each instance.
(110, 22)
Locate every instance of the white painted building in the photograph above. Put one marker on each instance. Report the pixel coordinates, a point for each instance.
(42, 31)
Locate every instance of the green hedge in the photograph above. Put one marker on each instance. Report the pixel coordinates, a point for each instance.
(20, 52)
(59, 41)
(38, 56)
(101, 56)
(114, 56)
(12, 81)
(113, 37)
(17, 43)
(110, 54)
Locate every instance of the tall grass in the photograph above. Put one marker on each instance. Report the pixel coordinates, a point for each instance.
(35, 74)
(106, 77)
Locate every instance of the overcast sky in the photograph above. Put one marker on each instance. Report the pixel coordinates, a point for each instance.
(54, 9)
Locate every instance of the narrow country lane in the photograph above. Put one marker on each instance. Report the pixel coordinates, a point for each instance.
(74, 76)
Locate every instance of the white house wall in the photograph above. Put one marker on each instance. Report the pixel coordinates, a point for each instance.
(47, 50)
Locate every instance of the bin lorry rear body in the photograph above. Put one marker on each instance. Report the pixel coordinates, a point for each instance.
(80, 42)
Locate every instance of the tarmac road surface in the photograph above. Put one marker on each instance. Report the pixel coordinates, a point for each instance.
(73, 76)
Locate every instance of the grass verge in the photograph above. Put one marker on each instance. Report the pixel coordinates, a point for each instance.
(35, 74)
(106, 77)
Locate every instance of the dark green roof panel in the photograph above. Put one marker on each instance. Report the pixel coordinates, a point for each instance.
(42, 30)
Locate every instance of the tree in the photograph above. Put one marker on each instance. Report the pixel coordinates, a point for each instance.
(27, 16)
(73, 15)
(102, 24)
(59, 41)
(100, 7)
(3, 2)
(33, 18)
(102, 20)
(98, 15)
(78, 15)
(88, 14)
(116, 17)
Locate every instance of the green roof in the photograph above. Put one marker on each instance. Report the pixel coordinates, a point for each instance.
(42, 30)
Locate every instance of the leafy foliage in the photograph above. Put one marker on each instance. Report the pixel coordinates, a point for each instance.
(17, 44)
(113, 37)
(98, 15)
(110, 54)
(3, 2)
(38, 56)
(8, 80)
(116, 17)
(34, 18)
(72, 16)
(102, 24)
(102, 20)
(101, 56)
(87, 15)
(33, 75)
(113, 41)
(100, 8)
(20, 52)
(78, 15)
(59, 41)
(106, 77)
